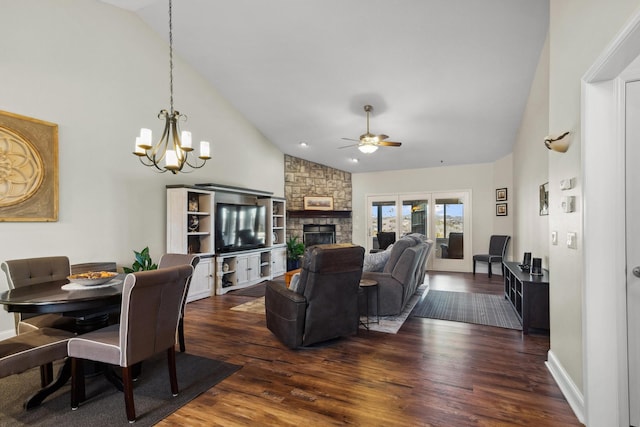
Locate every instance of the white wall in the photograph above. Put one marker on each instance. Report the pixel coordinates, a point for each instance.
(530, 163)
(503, 177)
(481, 179)
(579, 31)
(101, 74)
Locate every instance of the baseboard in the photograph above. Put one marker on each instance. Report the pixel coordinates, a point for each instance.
(567, 386)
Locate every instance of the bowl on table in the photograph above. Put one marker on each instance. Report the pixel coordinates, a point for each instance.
(92, 278)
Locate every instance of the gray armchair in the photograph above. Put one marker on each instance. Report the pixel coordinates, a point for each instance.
(325, 304)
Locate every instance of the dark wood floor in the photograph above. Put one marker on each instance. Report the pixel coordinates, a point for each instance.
(432, 373)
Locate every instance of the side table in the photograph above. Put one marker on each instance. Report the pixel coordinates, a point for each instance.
(367, 285)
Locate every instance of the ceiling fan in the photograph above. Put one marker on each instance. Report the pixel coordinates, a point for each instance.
(368, 142)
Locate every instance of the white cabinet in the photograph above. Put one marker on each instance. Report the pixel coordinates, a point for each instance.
(202, 280)
(248, 268)
(277, 222)
(190, 221)
(278, 261)
(191, 230)
(242, 269)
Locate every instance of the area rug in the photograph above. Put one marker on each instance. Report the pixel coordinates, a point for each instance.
(392, 324)
(251, 291)
(386, 324)
(105, 405)
(482, 309)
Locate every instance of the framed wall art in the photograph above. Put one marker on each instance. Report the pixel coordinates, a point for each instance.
(501, 195)
(28, 169)
(501, 209)
(544, 198)
(318, 203)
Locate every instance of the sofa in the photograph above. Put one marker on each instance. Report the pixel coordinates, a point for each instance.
(402, 273)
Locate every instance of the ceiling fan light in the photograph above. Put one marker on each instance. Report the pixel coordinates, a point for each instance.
(367, 148)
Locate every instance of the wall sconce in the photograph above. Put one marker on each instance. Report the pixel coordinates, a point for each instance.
(559, 143)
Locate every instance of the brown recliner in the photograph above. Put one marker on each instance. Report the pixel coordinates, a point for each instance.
(325, 304)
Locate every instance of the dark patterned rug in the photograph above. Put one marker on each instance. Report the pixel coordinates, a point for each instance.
(482, 309)
(105, 405)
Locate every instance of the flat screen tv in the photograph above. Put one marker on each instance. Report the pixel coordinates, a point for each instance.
(239, 227)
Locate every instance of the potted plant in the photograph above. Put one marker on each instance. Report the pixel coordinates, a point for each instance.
(295, 250)
(143, 262)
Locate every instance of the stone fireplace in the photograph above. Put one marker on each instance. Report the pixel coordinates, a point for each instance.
(305, 178)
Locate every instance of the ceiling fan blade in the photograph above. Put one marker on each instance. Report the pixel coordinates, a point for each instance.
(348, 146)
(390, 144)
(351, 139)
(382, 137)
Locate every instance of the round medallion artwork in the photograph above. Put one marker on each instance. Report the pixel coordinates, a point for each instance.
(21, 168)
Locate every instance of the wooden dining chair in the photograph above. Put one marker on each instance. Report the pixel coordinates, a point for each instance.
(151, 302)
(171, 260)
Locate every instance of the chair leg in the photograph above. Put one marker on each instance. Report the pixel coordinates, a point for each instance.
(46, 374)
(474, 267)
(171, 358)
(77, 383)
(181, 334)
(127, 383)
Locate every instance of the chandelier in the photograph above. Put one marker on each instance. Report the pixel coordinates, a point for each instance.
(172, 151)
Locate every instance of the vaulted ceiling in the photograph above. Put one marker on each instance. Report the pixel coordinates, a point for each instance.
(447, 78)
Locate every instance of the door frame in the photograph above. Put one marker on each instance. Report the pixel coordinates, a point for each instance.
(605, 372)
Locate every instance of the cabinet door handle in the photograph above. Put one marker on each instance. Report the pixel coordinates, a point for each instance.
(636, 271)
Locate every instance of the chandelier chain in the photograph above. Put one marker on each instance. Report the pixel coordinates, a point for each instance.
(170, 59)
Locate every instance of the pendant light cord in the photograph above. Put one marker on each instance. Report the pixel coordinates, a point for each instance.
(170, 59)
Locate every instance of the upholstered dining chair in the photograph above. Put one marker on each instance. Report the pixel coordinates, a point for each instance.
(497, 250)
(30, 349)
(33, 271)
(149, 314)
(171, 260)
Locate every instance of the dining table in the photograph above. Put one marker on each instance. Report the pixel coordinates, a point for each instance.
(90, 306)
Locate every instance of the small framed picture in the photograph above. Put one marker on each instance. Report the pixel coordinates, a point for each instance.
(501, 209)
(318, 203)
(501, 195)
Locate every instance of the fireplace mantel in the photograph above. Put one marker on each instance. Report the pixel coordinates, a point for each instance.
(319, 214)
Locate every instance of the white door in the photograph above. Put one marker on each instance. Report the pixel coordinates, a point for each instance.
(383, 216)
(632, 138)
(451, 225)
(435, 215)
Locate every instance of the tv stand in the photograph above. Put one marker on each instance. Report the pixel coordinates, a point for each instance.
(529, 296)
(191, 229)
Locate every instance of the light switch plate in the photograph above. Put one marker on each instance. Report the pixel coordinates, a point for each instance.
(554, 237)
(568, 203)
(572, 240)
(566, 184)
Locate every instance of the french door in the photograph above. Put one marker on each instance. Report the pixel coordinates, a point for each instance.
(442, 217)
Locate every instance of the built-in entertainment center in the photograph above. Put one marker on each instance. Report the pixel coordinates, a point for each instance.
(238, 233)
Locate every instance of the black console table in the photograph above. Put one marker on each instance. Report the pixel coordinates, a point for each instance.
(529, 296)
